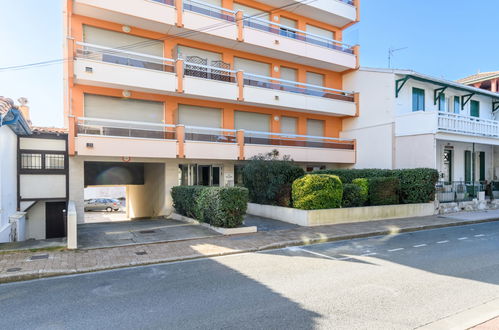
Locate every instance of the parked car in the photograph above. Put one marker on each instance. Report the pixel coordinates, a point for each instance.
(102, 204)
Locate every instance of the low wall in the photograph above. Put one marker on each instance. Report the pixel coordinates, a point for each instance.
(341, 215)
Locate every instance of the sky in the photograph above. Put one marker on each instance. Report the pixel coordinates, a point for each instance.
(444, 38)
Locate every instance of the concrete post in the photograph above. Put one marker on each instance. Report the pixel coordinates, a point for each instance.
(72, 235)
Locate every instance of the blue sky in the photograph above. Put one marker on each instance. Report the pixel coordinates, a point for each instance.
(445, 38)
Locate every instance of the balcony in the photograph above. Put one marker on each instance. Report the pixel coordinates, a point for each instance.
(114, 68)
(446, 124)
(105, 137)
(335, 12)
(216, 25)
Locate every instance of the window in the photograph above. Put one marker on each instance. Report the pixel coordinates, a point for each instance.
(31, 161)
(315, 127)
(457, 104)
(441, 102)
(475, 109)
(289, 125)
(287, 22)
(467, 166)
(418, 99)
(54, 162)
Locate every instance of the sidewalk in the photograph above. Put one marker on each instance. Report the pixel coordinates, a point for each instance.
(26, 265)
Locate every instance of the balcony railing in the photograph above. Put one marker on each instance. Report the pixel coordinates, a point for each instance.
(132, 129)
(124, 57)
(210, 10)
(296, 87)
(289, 32)
(128, 58)
(459, 191)
(455, 123)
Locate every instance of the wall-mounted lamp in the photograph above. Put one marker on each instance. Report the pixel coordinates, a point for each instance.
(126, 28)
(126, 93)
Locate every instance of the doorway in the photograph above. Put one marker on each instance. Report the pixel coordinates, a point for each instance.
(447, 165)
(209, 175)
(55, 219)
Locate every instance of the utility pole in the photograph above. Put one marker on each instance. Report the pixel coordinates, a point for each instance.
(391, 52)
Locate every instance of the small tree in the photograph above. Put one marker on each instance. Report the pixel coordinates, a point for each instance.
(269, 178)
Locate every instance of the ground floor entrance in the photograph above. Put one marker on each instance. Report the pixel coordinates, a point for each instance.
(55, 219)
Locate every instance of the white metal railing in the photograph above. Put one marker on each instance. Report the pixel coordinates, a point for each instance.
(166, 2)
(209, 72)
(296, 140)
(293, 86)
(124, 57)
(124, 128)
(210, 134)
(209, 10)
(286, 31)
(456, 123)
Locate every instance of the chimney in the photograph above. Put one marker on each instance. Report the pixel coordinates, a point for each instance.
(24, 109)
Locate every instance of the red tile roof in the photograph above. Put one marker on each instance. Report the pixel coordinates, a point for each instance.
(51, 130)
(479, 77)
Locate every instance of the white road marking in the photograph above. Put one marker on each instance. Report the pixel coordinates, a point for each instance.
(442, 242)
(420, 245)
(480, 235)
(462, 238)
(393, 250)
(316, 253)
(368, 254)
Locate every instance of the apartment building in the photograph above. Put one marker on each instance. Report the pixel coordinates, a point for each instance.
(484, 80)
(166, 92)
(410, 120)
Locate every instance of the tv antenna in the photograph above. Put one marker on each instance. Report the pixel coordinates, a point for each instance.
(391, 52)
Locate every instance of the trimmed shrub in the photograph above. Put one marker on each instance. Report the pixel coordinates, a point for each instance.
(218, 206)
(352, 195)
(269, 179)
(314, 192)
(384, 191)
(416, 185)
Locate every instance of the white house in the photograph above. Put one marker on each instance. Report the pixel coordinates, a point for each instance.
(33, 177)
(409, 120)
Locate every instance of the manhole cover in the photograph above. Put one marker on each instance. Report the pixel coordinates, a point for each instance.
(11, 270)
(141, 253)
(147, 231)
(40, 256)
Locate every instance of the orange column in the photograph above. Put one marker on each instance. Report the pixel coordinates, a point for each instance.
(240, 85)
(240, 143)
(179, 68)
(170, 112)
(180, 129)
(493, 85)
(356, 99)
(72, 135)
(302, 126)
(180, 13)
(240, 26)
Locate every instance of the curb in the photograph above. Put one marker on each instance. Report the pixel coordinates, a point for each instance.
(272, 246)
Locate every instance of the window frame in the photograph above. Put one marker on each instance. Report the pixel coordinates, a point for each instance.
(418, 92)
(43, 169)
(477, 103)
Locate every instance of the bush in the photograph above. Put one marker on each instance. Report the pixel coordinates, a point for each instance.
(384, 191)
(220, 207)
(314, 192)
(352, 195)
(416, 185)
(269, 179)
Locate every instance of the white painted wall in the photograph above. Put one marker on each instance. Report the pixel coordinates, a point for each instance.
(8, 179)
(415, 151)
(35, 186)
(35, 221)
(42, 144)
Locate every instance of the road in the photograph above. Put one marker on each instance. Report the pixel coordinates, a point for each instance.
(391, 282)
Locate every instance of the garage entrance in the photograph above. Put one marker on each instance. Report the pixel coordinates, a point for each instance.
(122, 191)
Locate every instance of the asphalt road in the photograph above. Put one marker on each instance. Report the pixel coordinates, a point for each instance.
(390, 282)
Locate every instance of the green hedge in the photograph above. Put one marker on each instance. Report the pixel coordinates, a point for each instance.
(384, 191)
(363, 184)
(269, 179)
(416, 185)
(220, 207)
(352, 195)
(314, 192)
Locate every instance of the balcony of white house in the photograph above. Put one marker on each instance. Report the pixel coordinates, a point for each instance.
(201, 21)
(447, 124)
(121, 69)
(105, 137)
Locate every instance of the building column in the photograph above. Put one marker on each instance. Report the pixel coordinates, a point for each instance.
(77, 186)
(493, 85)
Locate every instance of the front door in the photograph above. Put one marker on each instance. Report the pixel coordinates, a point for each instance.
(55, 224)
(447, 165)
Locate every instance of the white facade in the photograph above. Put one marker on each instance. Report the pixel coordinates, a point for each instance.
(398, 132)
(8, 180)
